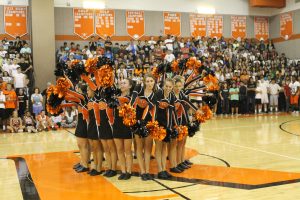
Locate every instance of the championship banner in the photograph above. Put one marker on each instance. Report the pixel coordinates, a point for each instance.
(105, 23)
(198, 25)
(238, 27)
(83, 22)
(215, 26)
(261, 28)
(286, 25)
(172, 23)
(15, 20)
(135, 24)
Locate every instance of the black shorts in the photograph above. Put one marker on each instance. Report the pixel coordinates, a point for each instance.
(257, 101)
(8, 112)
(2, 113)
(234, 103)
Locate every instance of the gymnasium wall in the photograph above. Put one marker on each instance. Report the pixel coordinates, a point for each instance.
(153, 25)
(291, 46)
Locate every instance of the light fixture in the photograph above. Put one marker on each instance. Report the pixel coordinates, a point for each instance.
(206, 10)
(93, 4)
(68, 3)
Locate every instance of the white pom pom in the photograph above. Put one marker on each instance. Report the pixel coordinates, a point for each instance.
(286, 37)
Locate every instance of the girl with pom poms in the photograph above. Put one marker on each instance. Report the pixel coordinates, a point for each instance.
(124, 117)
(143, 100)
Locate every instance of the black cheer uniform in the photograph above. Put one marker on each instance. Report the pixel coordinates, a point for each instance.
(120, 131)
(83, 115)
(92, 129)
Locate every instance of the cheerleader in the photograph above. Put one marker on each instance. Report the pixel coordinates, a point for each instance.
(122, 134)
(164, 116)
(106, 134)
(143, 99)
(93, 133)
(81, 130)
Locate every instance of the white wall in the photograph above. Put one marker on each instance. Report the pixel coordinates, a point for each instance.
(237, 7)
(290, 6)
(14, 2)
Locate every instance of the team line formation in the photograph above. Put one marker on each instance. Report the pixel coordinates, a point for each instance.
(163, 110)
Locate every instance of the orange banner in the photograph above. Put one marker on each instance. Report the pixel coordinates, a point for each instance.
(198, 25)
(215, 26)
(105, 23)
(172, 23)
(238, 26)
(261, 28)
(286, 25)
(15, 20)
(135, 24)
(83, 22)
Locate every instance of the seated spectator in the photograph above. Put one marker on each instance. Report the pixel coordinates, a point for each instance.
(29, 123)
(69, 119)
(25, 49)
(37, 101)
(43, 122)
(15, 123)
(57, 120)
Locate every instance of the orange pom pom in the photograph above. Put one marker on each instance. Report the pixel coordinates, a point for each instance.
(211, 82)
(52, 110)
(182, 132)
(91, 65)
(105, 76)
(128, 113)
(62, 86)
(157, 132)
(155, 72)
(174, 66)
(74, 62)
(203, 114)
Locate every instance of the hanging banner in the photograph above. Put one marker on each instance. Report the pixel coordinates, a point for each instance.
(105, 23)
(135, 24)
(238, 27)
(83, 22)
(261, 28)
(15, 20)
(198, 25)
(286, 25)
(172, 23)
(215, 26)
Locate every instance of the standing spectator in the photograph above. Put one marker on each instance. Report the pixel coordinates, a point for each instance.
(224, 95)
(258, 98)
(37, 101)
(251, 95)
(10, 102)
(19, 80)
(18, 44)
(274, 89)
(294, 86)
(14, 67)
(2, 107)
(108, 44)
(264, 85)
(22, 102)
(92, 44)
(234, 99)
(243, 98)
(287, 94)
(169, 43)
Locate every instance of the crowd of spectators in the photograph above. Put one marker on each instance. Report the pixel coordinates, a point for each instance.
(253, 76)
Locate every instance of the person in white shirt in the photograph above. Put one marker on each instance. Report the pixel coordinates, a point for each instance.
(274, 89)
(2, 105)
(169, 56)
(264, 93)
(152, 42)
(14, 66)
(25, 49)
(169, 43)
(19, 79)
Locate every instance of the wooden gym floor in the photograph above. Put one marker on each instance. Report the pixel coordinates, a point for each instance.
(250, 157)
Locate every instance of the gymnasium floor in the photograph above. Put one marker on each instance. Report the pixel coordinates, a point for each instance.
(234, 158)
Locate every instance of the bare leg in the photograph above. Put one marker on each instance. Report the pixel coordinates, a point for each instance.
(113, 154)
(139, 151)
(83, 149)
(107, 153)
(172, 152)
(148, 149)
(158, 153)
(128, 153)
(121, 156)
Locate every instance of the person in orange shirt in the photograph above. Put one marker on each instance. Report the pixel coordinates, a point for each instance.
(2, 84)
(10, 103)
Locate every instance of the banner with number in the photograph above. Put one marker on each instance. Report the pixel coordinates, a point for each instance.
(15, 20)
(135, 24)
(286, 25)
(198, 25)
(261, 28)
(215, 26)
(172, 23)
(238, 27)
(83, 22)
(105, 23)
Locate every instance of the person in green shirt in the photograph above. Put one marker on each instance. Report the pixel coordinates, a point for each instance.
(234, 98)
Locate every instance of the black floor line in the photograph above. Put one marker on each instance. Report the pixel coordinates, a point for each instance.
(280, 126)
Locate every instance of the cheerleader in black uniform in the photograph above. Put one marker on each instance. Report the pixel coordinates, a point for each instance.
(122, 134)
(93, 133)
(143, 99)
(81, 128)
(165, 117)
(106, 134)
